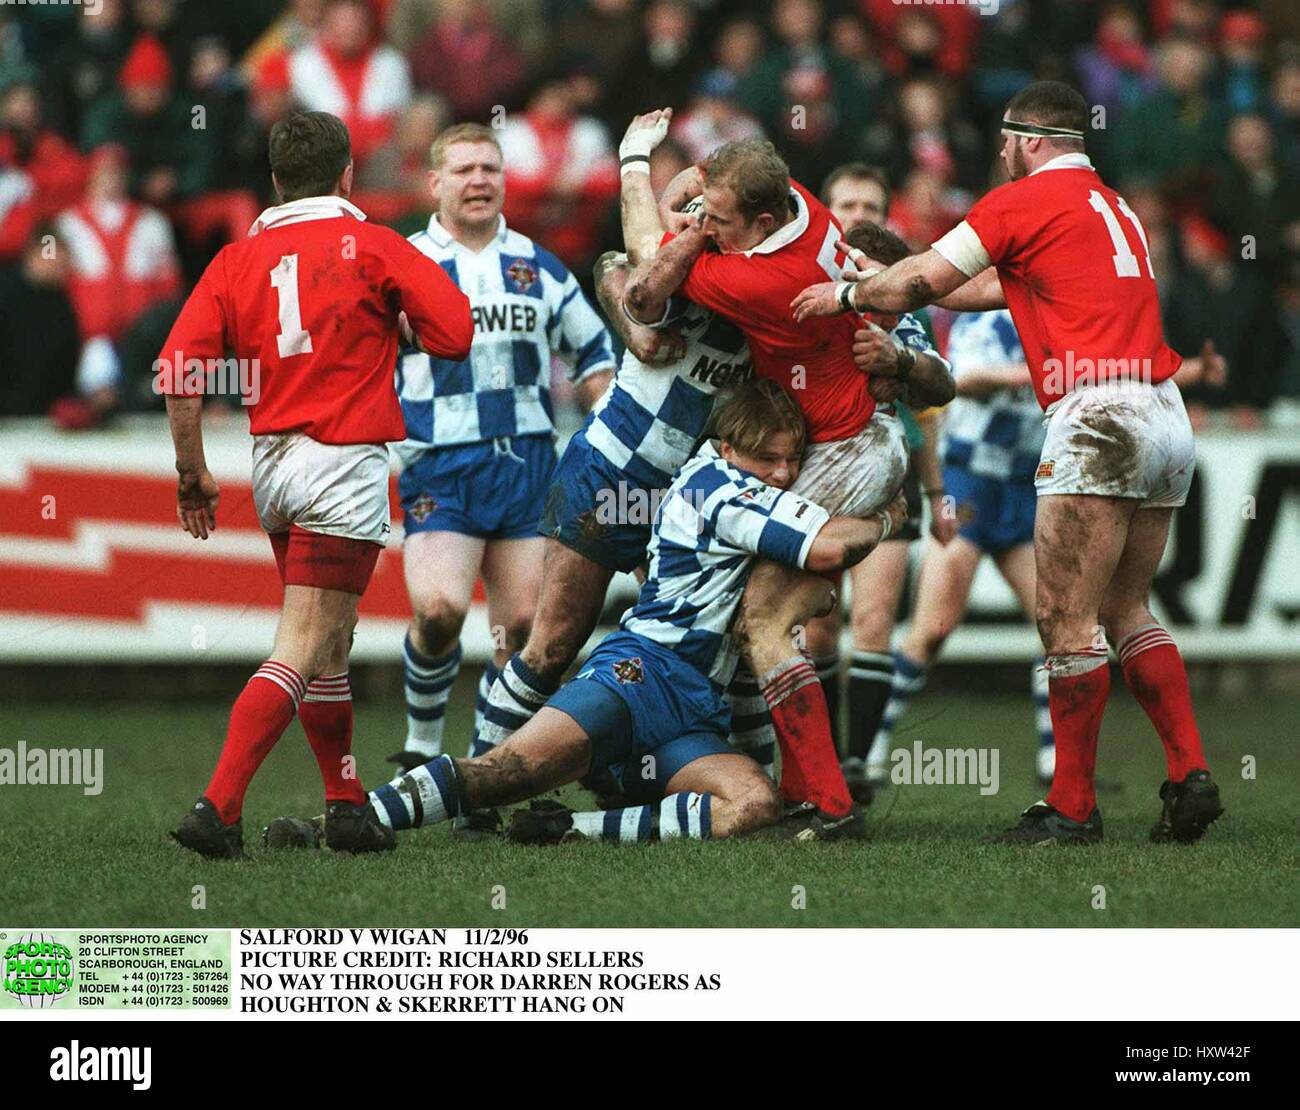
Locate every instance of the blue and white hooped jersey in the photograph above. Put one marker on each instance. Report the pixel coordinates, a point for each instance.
(999, 436)
(713, 522)
(526, 305)
(650, 420)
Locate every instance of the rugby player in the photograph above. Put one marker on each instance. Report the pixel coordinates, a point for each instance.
(313, 299)
(479, 453)
(1069, 258)
(647, 705)
(612, 475)
(767, 237)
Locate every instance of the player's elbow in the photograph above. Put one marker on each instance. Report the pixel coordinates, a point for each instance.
(640, 301)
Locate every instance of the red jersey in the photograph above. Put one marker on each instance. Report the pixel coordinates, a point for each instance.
(313, 295)
(812, 361)
(1074, 266)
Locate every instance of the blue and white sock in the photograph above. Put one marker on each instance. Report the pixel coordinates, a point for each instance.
(1042, 710)
(514, 699)
(428, 686)
(678, 815)
(485, 682)
(428, 794)
(908, 680)
(752, 731)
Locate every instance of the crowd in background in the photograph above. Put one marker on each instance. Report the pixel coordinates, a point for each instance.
(133, 141)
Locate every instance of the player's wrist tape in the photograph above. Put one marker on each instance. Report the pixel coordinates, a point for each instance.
(634, 163)
(886, 526)
(844, 295)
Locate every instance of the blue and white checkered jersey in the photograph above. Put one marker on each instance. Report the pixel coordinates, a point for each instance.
(910, 332)
(526, 305)
(648, 423)
(712, 524)
(999, 436)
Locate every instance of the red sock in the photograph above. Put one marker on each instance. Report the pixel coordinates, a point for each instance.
(1077, 701)
(260, 715)
(326, 716)
(1154, 671)
(810, 770)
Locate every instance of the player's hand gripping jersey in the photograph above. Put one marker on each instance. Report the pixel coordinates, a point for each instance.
(313, 295)
(1076, 272)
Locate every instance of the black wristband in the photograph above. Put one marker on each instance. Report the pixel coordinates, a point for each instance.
(845, 296)
(631, 158)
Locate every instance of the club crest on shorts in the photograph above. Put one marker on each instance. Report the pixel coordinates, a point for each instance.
(628, 670)
(522, 274)
(422, 508)
(1045, 468)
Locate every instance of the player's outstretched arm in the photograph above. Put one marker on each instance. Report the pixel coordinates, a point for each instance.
(925, 376)
(980, 381)
(653, 346)
(918, 280)
(437, 312)
(982, 293)
(642, 227)
(653, 282)
(686, 186)
(844, 541)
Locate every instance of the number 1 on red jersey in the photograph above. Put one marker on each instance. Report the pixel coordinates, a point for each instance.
(292, 340)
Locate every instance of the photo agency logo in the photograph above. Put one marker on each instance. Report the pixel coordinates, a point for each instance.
(38, 970)
(26, 766)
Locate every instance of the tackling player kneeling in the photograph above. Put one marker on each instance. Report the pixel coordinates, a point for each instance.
(648, 705)
(313, 300)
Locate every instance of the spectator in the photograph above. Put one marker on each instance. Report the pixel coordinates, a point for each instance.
(929, 137)
(857, 194)
(1212, 298)
(922, 40)
(170, 159)
(393, 186)
(1256, 196)
(121, 252)
(344, 71)
(40, 171)
(1243, 78)
(714, 117)
(1115, 69)
(38, 329)
(469, 60)
(84, 71)
(267, 60)
(662, 70)
(608, 31)
(1178, 132)
(739, 49)
(561, 174)
(851, 40)
(924, 209)
(408, 22)
(811, 101)
(1284, 112)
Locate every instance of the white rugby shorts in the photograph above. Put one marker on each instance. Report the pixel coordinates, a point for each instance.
(333, 489)
(1119, 439)
(860, 475)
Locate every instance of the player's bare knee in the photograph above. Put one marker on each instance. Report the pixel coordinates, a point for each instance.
(753, 804)
(438, 622)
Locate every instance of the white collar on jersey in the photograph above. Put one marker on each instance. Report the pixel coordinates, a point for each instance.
(787, 233)
(443, 237)
(308, 208)
(1075, 160)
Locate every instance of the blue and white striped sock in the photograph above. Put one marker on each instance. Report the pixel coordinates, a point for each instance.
(428, 686)
(909, 679)
(1042, 710)
(515, 697)
(678, 815)
(485, 682)
(752, 731)
(424, 796)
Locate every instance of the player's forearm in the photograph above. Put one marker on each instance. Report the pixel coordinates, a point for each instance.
(654, 281)
(185, 419)
(900, 288)
(925, 458)
(982, 293)
(642, 227)
(592, 388)
(990, 379)
(843, 542)
(930, 382)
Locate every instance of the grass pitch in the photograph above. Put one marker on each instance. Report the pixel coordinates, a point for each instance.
(72, 860)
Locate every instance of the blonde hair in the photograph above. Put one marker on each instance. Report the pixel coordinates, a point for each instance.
(752, 413)
(461, 133)
(756, 173)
